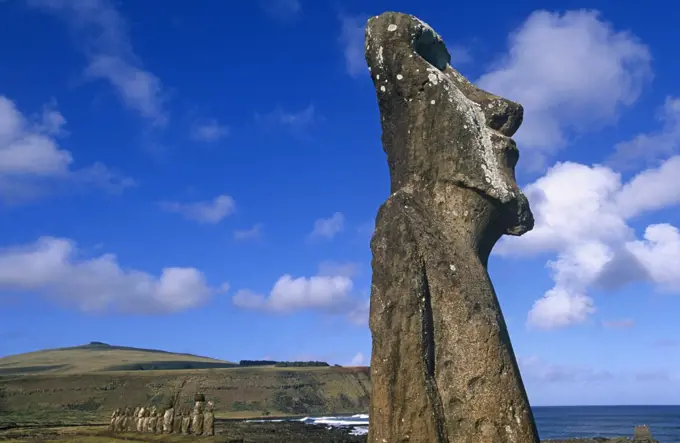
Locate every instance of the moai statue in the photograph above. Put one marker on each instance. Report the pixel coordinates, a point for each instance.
(120, 421)
(177, 422)
(151, 424)
(168, 420)
(160, 413)
(197, 418)
(209, 419)
(145, 420)
(127, 417)
(140, 419)
(442, 369)
(114, 415)
(135, 419)
(186, 421)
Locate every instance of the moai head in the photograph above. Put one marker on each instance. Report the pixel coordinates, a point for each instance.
(198, 407)
(141, 411)
(209, 406)
(437, 126)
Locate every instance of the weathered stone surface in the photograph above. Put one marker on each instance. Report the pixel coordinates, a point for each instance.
(186, 422)
(114, 416)
(177, 422)
(442, 368)
(168, 420)
(140, 419)
(197, 418)
(209, 419)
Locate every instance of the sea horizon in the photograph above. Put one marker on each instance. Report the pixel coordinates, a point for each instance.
(586, 421)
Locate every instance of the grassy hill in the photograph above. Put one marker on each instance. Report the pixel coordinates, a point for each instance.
(83, 384)
(98, 356)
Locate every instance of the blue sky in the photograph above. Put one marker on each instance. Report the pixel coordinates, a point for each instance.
(204, 178)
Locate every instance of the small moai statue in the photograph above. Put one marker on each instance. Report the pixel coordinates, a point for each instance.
(151, 424)
(160, 413)
(127, 418)
(197, 418)
(168, 420)
(177, 422)
(186, 421)
(132, 426)
(120, 421)
(209, 419)
(145, 420)
(114, 415)
(140, 419)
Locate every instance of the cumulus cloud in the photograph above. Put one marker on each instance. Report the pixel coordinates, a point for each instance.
(330, 294)
(53, 267)
(102, 31)
(208, 131)
(571, 72)
(582, 215)
(209, 212)
(32, 162)
(653, 147)
(328, 227)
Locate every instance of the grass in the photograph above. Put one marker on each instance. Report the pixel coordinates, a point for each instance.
(101, 357)
(83, 385)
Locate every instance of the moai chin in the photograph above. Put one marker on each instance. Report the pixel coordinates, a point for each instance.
(442, 368)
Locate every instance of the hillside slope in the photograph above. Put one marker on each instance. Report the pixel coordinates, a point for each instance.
(97, 356)
(87, 390)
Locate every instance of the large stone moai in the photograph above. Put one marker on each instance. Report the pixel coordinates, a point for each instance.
(442, 369)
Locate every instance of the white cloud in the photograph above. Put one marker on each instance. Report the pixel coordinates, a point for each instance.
(102, 31)
(293, 294)
(655, 146)
(31, 161)
(351, 38)
(659, 255)
(571, 72)
(208, 131)
(582, 214)
(51, 266)
(281, 10)
(328, 227)
(210, 212)
(330, 294)
(249, 234)
(358, 359)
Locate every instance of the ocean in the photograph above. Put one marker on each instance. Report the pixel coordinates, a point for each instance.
(557, 422)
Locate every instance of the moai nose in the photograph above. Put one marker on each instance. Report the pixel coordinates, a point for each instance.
(503, 115)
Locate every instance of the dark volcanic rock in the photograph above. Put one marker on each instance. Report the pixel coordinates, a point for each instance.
(442, 369)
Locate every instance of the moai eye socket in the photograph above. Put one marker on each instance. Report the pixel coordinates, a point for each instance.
(431, 47)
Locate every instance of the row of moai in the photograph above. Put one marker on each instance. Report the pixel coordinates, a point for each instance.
(153, 420)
